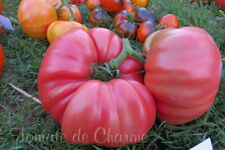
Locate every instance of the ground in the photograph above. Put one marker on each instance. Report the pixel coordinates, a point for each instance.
(25, 125)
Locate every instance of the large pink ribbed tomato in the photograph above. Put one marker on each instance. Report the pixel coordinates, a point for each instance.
(183, 71)
(122, 108)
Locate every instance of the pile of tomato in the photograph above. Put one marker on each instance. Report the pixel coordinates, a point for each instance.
(102, 91)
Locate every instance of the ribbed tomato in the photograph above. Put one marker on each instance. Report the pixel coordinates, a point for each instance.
(122, 107)
(183, 71)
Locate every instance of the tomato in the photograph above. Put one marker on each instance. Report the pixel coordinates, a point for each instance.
(33, 21)
(2, 59)
(145, 29)
(112, 5)
(92, 4)
(92, 107)
(131, 69)
(127, 5)
(65, 15)
(58, 28)
(123, 26)
(99, 17)
(140, 3)
(142, 14)
(78, 1)
(183, 71)
(220, 3)
(169, 21)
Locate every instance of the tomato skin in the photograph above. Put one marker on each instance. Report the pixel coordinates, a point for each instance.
(185, 90)
(33, 21)
(58, 28)
(78, 1)
(65, 15)
(99, 18)
(112, 5)
(169, 21)
(142, 14)
(131, 69)
(220, 3)
(2, 59)
(123, 26)
(140, 3)
(145, 29)
(91, 4)
(66, 90)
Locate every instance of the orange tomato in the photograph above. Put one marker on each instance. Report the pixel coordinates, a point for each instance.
(140, 3)
(65, 15)
(145, 29)
(58, 28)
(35, 16)
(92, 4)
(2, 59)
(169, 21)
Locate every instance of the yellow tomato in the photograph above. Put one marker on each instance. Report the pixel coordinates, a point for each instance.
(35, 16)
(58, 28)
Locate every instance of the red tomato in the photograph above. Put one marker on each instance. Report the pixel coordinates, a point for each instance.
(35, 16)
(92, 4)
(2, 59)
(99, 17)
(127, 5)
(220, 3)
(145, 29)
(78, 1)
(92, 107)
(131, 69)
(123, 26)
(65, 15)
(183, 71)
(169, 21)
(112, 5)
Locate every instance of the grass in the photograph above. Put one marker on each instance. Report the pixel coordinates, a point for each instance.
(23, 122)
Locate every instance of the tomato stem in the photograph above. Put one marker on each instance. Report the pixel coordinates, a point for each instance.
(127, 51)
